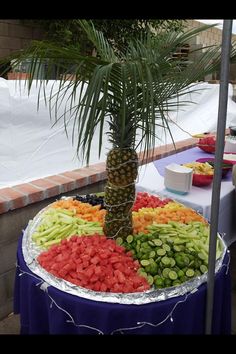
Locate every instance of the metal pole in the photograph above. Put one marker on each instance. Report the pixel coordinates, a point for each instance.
(220, 137)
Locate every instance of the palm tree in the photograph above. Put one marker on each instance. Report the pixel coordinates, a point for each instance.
(132, 90)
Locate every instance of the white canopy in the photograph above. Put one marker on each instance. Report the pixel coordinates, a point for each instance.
(31, 148)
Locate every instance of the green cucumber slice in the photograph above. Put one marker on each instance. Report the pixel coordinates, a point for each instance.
(190, 273)
(173, 275)
(157, 242)
(165, 260)
(203, 268)
(129, 238)
(119, 241)
(161, 252)
(145, 262)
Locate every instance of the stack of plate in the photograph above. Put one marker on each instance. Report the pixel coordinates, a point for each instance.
(230, 144)
(178, 179)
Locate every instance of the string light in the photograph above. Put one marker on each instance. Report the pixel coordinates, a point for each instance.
(44, 287)
(122, 164)
(131, 202)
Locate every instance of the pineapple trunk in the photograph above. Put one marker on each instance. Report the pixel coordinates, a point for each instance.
(122, 171)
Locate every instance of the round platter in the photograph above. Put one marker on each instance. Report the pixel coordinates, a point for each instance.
(31, 251)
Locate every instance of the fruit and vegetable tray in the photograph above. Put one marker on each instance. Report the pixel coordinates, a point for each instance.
(166, 256)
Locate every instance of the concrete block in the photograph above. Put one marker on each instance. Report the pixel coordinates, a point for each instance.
(3, 29)
(7, 281)
(6, 308)
(14, 43)
(4, 52)
(4, 42)
(7, 257)
(19, 31)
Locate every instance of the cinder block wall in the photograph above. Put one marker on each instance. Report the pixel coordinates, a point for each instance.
(15, 35)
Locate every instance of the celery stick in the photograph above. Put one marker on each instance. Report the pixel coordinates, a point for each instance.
(66, 212)
(50, 236)
(162, 225)
(47, 232)
(52, 242)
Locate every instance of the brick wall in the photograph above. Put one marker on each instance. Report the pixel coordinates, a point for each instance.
(14, 35)
(22, 202)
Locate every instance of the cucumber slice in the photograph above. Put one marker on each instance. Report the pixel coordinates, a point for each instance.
(165, 272)
(150, 280)
(141, 271)
(190, 273)
(180, 273)
(203, 268)
(166, 247)
(119, 240)
(186, 260)
(165, 260)
(145, 262)
(177, 248)
(144, 274)
(170, 253)
(173, 275)
(202, 256)
(129, 238)
(161, 252)
(159, 282)
(157, 242)
(176, 282)
(152, 254)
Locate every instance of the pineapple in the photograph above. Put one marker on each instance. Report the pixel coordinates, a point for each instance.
(122, 170)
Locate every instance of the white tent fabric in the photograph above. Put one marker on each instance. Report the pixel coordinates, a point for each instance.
(31, 148)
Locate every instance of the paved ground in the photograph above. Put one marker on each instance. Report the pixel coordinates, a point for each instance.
(11, 324)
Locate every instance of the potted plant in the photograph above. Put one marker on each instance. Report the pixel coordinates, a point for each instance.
(133, 90)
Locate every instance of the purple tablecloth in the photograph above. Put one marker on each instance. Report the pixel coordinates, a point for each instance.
(47, 310)
(185, 156)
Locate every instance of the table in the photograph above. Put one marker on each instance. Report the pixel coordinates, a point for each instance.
(151, 179)
(46, 310)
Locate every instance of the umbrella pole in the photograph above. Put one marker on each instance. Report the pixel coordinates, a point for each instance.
(220, 138)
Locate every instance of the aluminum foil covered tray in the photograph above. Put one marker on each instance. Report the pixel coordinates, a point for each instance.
(31, 252)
